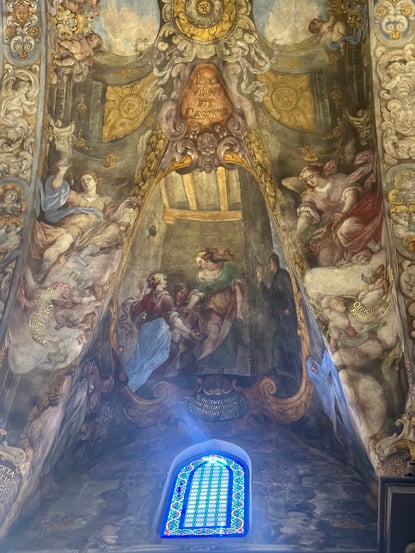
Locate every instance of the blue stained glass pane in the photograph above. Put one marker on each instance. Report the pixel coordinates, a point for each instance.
(208, 498)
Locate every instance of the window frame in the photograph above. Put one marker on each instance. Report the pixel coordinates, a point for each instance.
(237, 527)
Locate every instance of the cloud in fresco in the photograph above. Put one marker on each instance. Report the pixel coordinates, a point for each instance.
(125, 29)
(287, 22)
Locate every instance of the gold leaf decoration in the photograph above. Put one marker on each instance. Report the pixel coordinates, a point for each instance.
(126, 108)
(204, 20)
(289, 100)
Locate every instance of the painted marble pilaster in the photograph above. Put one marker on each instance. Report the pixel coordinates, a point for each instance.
(393, 30)
(21, 112)
(23, 68)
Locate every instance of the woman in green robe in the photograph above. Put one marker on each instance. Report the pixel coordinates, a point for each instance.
(219, 292)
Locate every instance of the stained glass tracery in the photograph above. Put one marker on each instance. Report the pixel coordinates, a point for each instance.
(208, 498)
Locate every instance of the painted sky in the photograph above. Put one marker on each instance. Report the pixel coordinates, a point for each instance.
(287, 22)
(127, 27)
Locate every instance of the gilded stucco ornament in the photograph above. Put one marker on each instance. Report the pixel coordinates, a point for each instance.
(242, 409)
(126, 107)
(394, 18)
(154, 151)
(200, 119)
(18, 107)
(22, 29)
(401, 198)
(68, 24)
(401, 210)
(204, 21)
(390, 454)
(396, 73)
(206, 115)
(261, 162)
(289, 100)
(202, 29)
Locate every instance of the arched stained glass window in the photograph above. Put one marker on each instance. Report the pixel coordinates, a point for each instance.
(208, 497)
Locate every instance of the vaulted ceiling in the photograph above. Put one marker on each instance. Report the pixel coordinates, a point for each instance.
(206, 225)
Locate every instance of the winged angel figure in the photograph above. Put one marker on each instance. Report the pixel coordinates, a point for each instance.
(339, 217)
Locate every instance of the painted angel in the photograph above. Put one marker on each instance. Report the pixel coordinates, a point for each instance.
(339, 217)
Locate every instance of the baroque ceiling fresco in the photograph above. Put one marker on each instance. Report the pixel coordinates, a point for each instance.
(206, 218)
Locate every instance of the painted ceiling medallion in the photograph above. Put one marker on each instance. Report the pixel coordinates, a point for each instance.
(205, 21)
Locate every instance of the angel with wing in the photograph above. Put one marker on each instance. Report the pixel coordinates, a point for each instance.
(340, 215)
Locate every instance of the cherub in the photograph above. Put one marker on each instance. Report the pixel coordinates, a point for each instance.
(82, 6)
(75, 56)
(76, 308)
(339, 324)
(71, 51)
(331, 32)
